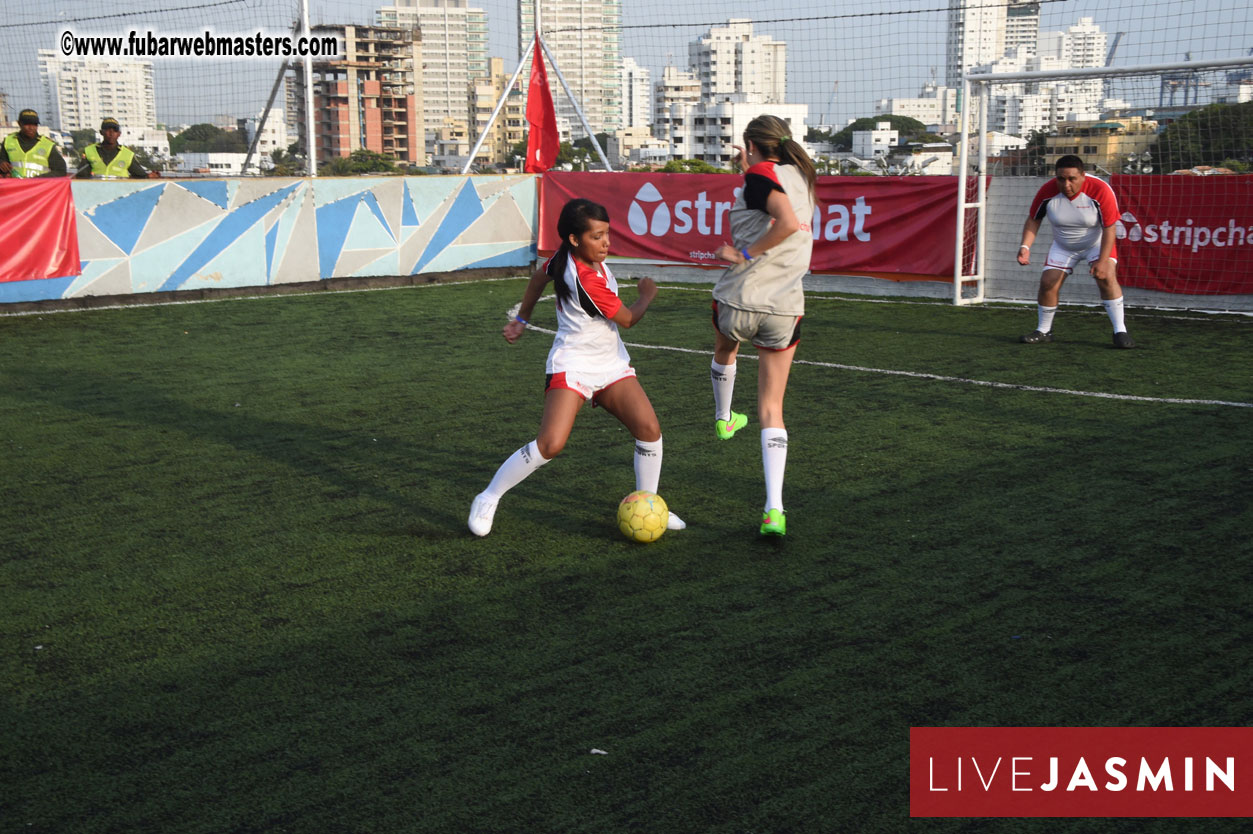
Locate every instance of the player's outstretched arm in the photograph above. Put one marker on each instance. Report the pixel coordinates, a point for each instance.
(628, 317)
(530, 297)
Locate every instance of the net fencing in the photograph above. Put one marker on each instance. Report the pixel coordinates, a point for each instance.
(862, 60)
(1168, 141)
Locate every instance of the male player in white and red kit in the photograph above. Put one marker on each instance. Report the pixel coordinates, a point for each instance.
(1082, 211)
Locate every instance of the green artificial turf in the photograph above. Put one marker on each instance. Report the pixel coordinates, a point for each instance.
(240, 596)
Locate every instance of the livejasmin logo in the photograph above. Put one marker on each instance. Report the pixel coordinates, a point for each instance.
(1022, 774)
(1183, 234)
(833, 222)
(1080, 772)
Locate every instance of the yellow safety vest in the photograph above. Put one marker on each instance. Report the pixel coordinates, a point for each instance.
(30, 163)
(118, 169)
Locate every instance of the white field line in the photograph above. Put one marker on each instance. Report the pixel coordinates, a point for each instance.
(513, 311)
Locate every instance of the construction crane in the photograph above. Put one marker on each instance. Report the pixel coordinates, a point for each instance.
(1113, 47)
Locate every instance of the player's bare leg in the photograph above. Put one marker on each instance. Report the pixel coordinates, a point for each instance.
(561, 406)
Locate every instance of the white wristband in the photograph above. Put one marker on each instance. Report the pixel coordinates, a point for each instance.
(1024, 246)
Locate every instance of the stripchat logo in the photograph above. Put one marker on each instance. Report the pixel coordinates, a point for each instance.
(650, 214)
(1186, 234)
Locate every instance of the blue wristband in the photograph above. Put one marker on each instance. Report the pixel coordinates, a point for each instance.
(520, 320)
(744, 252)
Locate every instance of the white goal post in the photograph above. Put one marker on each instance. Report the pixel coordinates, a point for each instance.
(970, 288)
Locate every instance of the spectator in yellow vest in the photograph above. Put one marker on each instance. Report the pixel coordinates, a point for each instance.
(27, 154)
(107, 160)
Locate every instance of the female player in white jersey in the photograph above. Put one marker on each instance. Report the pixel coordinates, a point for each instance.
(759, 298)
(587, 361)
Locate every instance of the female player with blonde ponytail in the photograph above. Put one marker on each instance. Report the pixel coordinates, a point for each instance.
(759, 298)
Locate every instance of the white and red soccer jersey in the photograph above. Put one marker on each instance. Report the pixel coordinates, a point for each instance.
(1077, 223)
(587, 340)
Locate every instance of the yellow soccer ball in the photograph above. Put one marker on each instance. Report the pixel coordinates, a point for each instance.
(642, 516)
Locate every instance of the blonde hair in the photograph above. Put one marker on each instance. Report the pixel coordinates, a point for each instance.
(772, 137)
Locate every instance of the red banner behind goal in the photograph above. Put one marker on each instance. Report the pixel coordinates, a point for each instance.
(1186, 234)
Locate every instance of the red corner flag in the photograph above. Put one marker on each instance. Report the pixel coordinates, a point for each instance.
(542, 141)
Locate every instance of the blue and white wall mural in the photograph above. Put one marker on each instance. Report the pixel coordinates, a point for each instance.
(143, 236)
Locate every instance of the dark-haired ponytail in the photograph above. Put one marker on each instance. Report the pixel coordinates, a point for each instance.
(556, 270)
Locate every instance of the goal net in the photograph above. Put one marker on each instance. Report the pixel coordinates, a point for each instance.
(1175, 143)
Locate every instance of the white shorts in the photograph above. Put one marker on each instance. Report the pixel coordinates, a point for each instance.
(767, 331)
(1065, 259)
(587, 384)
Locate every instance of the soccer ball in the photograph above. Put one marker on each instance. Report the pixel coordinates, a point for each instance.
(642, 516)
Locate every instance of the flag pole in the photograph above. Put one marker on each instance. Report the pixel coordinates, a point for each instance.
(499, 105)
(573, 102)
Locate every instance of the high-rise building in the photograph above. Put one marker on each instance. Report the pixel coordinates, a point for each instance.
(1021, 108)
(80, 93)
(585, 41)
(1022, 26)
(731, 59)
(734, 76)
(1081, 45)
(370, 97)
(636, 94)
(454, 51)
(976, 35)
(677, 86)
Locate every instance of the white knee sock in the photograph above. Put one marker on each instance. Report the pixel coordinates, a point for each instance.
(647, 465)
(1046, 318)
(723, 377)
(515, 470)
(773, 461)
(1113, 308)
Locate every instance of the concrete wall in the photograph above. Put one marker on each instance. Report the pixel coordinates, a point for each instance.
(146, 236)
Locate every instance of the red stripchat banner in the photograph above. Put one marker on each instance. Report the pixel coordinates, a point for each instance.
(1185, 234)
(1081, 772)
(861, 225)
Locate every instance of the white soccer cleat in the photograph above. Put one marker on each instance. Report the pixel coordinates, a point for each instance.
(675, 523)
(481, 513)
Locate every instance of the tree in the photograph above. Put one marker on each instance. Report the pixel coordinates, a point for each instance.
(909, 130)
(691, 166)
(285, 164)
(360, 161)
(205, 138)
(83, 138)
(1207, 136)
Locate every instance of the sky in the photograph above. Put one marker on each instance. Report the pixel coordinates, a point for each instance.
(841, 58)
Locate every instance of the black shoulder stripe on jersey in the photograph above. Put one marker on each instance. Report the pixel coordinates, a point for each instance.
(585, 300)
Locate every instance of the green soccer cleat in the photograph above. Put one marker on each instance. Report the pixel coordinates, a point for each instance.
(773, 523)
(727, 428)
